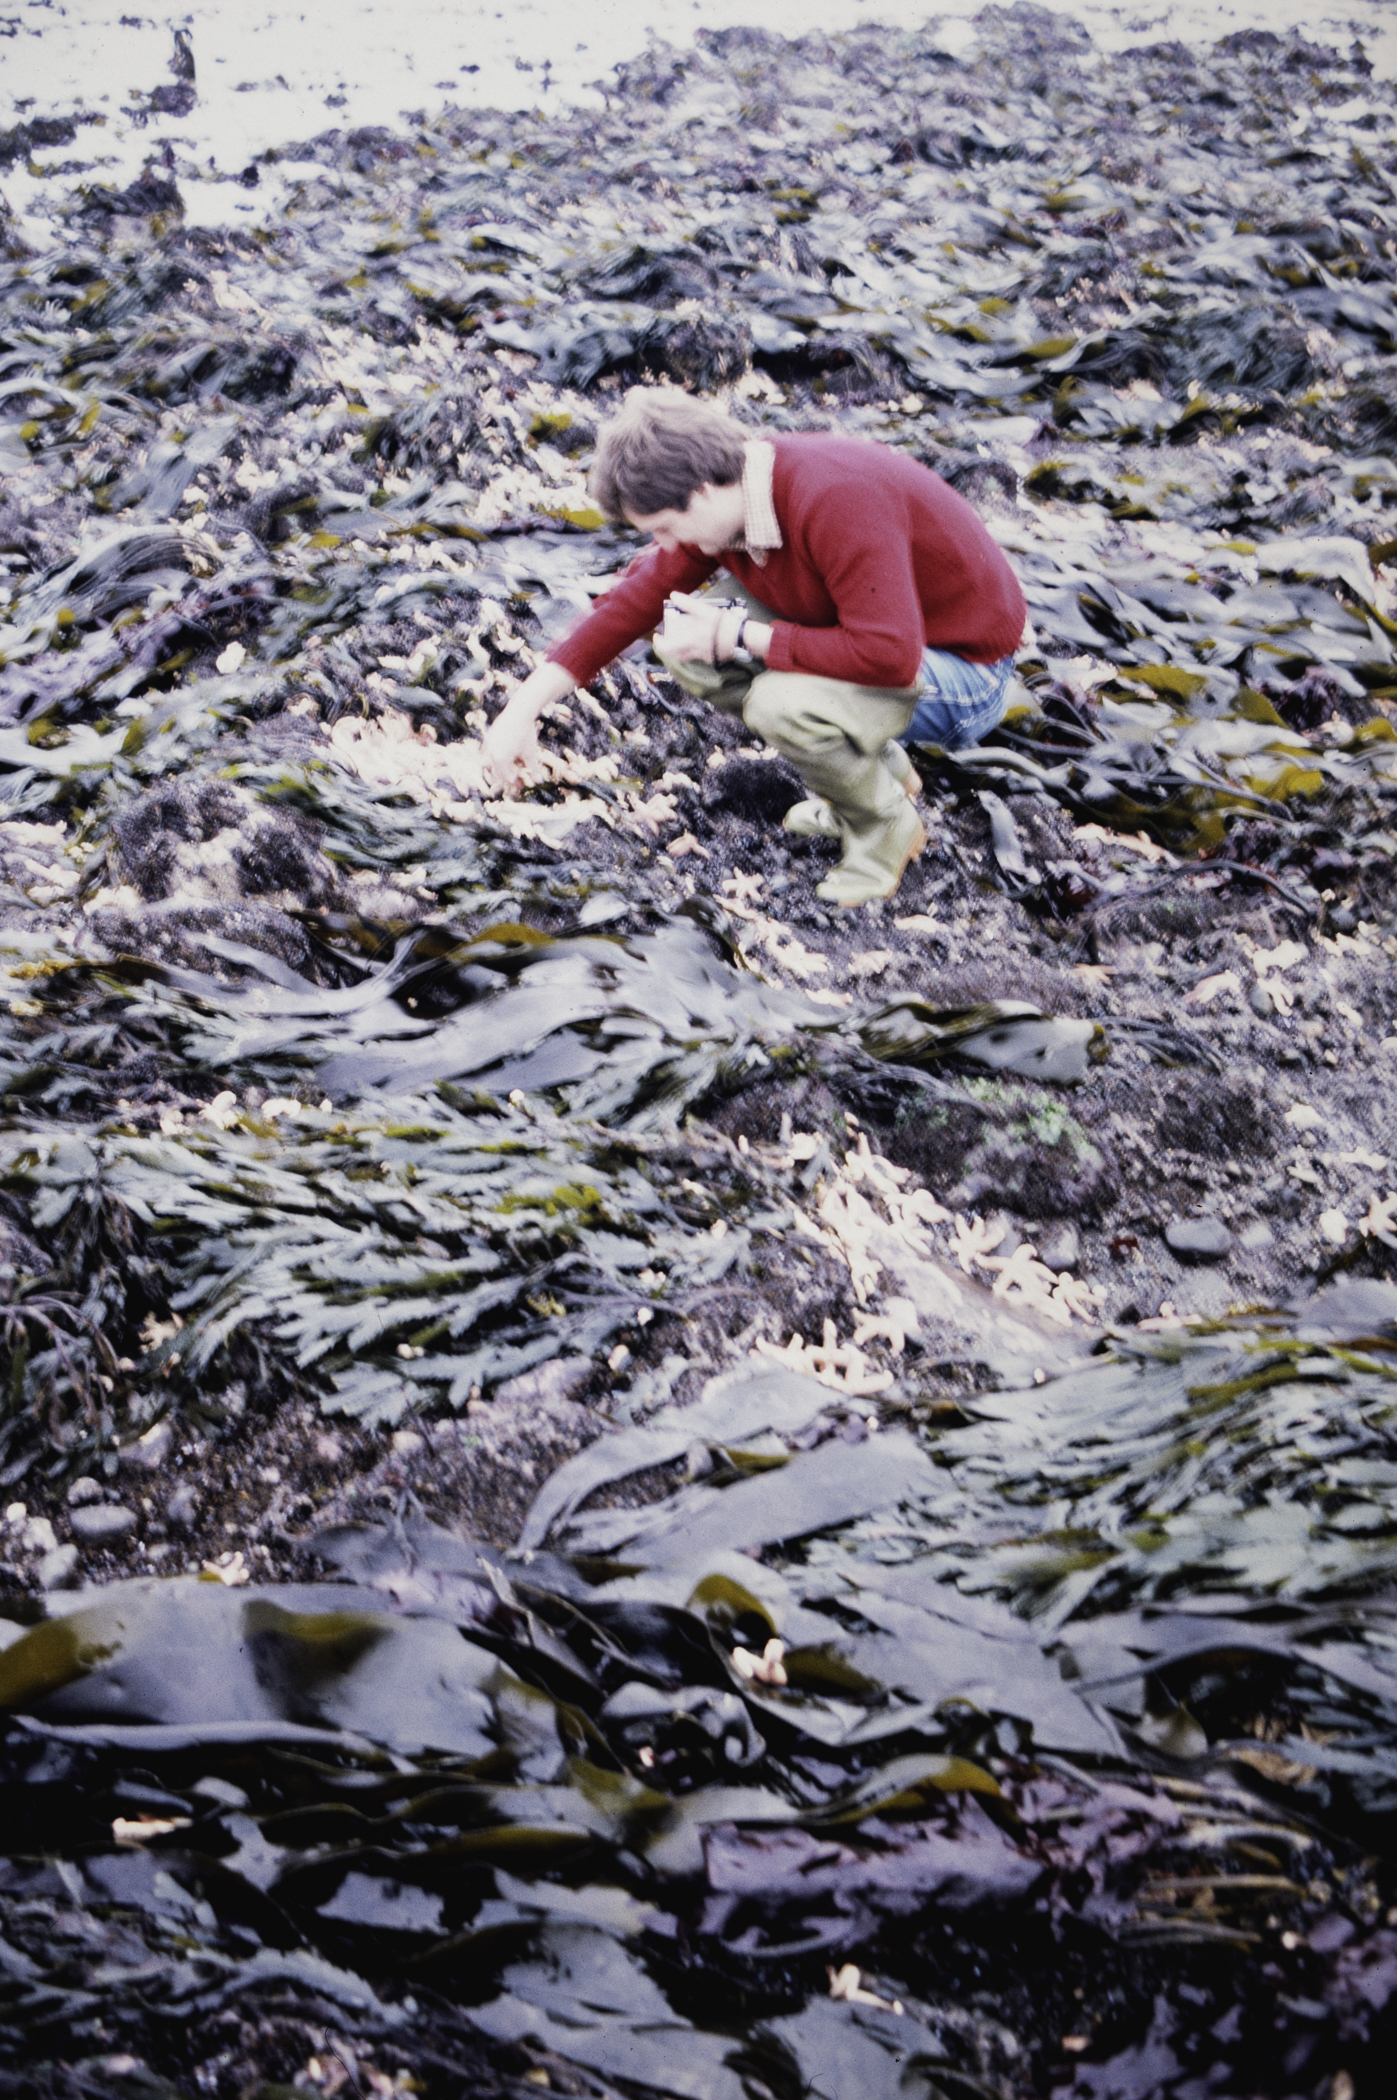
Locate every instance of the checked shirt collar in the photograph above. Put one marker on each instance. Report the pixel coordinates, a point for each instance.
(761, 535)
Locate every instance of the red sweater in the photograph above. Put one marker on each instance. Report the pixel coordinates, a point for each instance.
(879, 559)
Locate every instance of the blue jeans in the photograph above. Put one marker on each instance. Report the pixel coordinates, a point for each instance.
(960, 702)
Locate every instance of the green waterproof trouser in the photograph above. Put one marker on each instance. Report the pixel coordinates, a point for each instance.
(839, 736)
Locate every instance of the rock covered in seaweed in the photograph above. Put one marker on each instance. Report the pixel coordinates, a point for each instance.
(335, 1086)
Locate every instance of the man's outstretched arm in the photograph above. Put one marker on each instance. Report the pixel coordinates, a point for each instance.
(632, 607)
(509, 749)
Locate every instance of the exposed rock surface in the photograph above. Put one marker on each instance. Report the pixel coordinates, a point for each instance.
(1198, 1239)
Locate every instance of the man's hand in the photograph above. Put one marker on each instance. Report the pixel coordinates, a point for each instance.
(509, 750)
(698, 631)
(510, 755)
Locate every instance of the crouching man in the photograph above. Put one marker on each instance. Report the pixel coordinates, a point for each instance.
(872, 608)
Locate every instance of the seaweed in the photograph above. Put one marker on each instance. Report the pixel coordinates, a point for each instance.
(625, 1486)
(759, 1768)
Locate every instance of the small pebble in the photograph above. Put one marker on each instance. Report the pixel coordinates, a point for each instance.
(98, 1523)
(1256, 1236)
(58, 1570)
(38, 1536)
(149, 1452)
(562, 1378)
(84, 1490)
(182, 1507)
(1061, 1249)
(698, 1461)
(1198, 1239)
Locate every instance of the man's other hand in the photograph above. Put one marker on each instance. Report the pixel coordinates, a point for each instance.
(697, 631)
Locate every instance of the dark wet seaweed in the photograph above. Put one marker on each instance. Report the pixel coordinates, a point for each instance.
(416, 1146)
(543, 1799)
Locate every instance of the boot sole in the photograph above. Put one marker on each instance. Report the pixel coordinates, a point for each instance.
(917, 847)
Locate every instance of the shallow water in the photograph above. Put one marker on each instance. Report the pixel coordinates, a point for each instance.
(269, 77)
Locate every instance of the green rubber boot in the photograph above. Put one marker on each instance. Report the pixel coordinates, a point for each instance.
(875, 858)
(840, 738)
(812, 819)
(901, 767)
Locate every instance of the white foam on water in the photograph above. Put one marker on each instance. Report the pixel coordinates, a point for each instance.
(270, 76)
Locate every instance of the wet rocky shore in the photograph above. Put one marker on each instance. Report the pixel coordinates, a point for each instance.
(476, 1273)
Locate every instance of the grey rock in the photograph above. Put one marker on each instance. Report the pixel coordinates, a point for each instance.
(1354, 1305)
(59, 1570)
(562, 1378)
(1256, 1236)
(1198, 1239)
(1061, 1248)
(38, 1536)
(149, 1452)
(1260, 1005)
(182, 1507)
(84, 1490)
(100, 1522)
(698, 1461)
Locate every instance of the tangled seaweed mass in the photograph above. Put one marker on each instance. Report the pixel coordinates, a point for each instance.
(611, 1485)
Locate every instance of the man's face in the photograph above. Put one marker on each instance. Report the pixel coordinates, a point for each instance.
(712, 519)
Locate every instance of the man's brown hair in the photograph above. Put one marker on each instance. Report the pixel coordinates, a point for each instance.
(662, 447)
